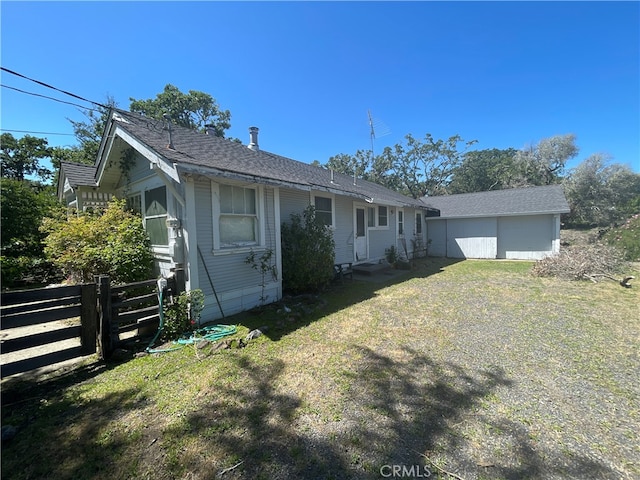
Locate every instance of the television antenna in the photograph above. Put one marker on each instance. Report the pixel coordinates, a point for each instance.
(376, 125)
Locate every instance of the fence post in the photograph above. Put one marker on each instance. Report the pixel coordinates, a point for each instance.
(105, 347)
(88, 318)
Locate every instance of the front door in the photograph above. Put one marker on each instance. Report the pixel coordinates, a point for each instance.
(361, 235)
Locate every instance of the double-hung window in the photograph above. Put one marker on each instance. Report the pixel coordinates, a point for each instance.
(324, 210)
(238, 219)
(418, 223)
(371, 217)
(400, 222)
(383, 216)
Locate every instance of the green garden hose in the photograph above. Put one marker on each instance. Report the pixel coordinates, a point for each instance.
(210, 332)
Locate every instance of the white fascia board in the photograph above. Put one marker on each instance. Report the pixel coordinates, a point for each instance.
(153, 157)
(103, 154)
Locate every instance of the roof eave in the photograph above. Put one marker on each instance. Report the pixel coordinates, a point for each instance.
(510, 214)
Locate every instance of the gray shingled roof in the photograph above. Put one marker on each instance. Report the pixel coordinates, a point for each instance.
(194, 150)
(79, 174)
(548, 199)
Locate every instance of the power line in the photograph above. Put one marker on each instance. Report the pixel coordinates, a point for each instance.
(52, 87)
(47, 97)
(30, 131)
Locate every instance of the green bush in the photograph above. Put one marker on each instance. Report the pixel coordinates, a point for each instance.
(183, 315)
(308, 252)
(24, 204)
(113, 243)
(626, 238)
(23, 270)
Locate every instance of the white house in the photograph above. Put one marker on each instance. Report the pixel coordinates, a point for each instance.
(518, 223)
(207, 202)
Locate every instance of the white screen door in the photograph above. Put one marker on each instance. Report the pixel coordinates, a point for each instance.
(361, 235)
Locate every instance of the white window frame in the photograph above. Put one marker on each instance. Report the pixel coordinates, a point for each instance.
(383, 227)
(401, 224)
(376, 213)
(371, 210)
(218, 246)
(140, 210)
(156, 246)
(418, 223)
(332, 197)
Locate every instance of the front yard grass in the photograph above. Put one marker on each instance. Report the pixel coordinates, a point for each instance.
(476, 366)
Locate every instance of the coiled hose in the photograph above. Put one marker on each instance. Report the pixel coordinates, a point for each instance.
(210, 332)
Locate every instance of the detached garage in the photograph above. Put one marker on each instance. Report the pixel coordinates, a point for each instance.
(519, 223)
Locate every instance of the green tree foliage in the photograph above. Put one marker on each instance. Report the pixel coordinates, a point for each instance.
(308, 252)
(415, 167)
(601, 193)
(484, 170)
(24, 204)
(191, 110)
(21, 157)
(88, 134)
(544, 163)
(113, 243)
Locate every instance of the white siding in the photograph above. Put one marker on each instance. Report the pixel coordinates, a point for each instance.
(139, 170)
(237, 284)
(472, 238)
(381, 238)
(292, 201)
(437, 238)
(295, 201)
(343, 231)
(526, 237)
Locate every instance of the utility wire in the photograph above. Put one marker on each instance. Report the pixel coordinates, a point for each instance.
(39, 133)
(52, 87)
(47, 97)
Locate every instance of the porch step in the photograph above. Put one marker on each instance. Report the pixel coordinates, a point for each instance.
(370, 268)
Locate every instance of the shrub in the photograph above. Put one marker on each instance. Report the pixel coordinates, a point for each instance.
(581, 262)
(183, 315)
(24, 204)
(391, 255)
(626, 238)
(20, 271)
(308, 252)
(113, 243)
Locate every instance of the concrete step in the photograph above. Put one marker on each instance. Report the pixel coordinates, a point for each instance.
(370, 268)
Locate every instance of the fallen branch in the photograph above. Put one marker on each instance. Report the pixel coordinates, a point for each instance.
(624, 282)
(440, 469)
(226, 470)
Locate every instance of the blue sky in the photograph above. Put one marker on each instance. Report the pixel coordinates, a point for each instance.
(507, 74)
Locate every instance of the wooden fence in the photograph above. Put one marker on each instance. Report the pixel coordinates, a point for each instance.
(46, 305)
(109, 317)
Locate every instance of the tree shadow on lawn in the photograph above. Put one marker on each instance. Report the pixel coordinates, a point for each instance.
(383, 412)
(377, 409)
(60, 436)
(307, 309)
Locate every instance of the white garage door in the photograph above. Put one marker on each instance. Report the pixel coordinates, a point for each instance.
(471, 238)
(437, 238)
(525, 237)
